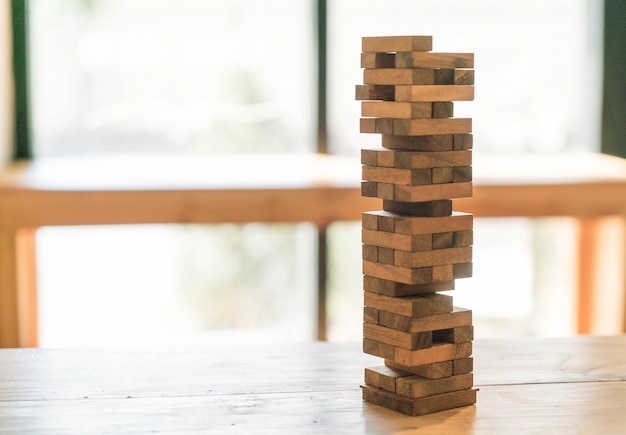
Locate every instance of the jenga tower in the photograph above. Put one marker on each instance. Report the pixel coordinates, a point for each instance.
(416, 246)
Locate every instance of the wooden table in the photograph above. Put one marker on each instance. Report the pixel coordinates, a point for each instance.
(270, 189)
(527, 386)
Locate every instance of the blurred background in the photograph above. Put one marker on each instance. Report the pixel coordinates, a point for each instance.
(121, 78)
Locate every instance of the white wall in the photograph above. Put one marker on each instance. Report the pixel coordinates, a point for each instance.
(6, 84)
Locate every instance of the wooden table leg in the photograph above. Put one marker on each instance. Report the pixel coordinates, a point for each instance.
(587, 258)
(18, 292)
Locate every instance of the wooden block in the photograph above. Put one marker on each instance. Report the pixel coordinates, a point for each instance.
(405, 340)
(461, 174)
(378, 60)
(462, 76)
(415, 159)
(414, 59)
(463, 270)
(410, 177)
(436, 208)
(383, 377)
(435, 257)
(396, 43)
(405, 76)
(457, 334)
(443, 109)
(442, 175)
(440, 142)
(386, 255)
(428, 192)
(437, 353)
(386, 221)
(436, 370)
(369, 189)
(457, 318)
(396, 289)
(376, 125)
(393, 109)
(370, 315)
(463, 141)
(404, 242)
(369, 252)
(434, 93)
(402, 193)
(417, 386)
(430, 126)
(419, 406)
(410, 306)
(376, 348)
(463, 238)
(408, 275)
(375, 92)
(462, 365)
(443, 241)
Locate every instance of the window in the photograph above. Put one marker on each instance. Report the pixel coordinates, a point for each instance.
(119, 77)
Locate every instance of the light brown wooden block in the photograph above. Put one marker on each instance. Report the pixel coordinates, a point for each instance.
(410, 306)
(436, 370)
(436, 208)
(414, 324)
(413, 59)
(410, 177)
(437, 353)
(383, 377)
(376, 348)
(370, 315)
(463, 76)
(462, 365)
(407, 76)
(415, 159)
(434, 93)
(419, 406)
(405, 242)
(430, 126)
(393, 109)
(376, 125)
(396, 43)
(396, 289)
(435, 257)
(405, 340)
(382, 220)
(441, 142)
(458, 334)
(378, 60)
(429, 192)
(417, 386)
(375, 92)
(408, 275)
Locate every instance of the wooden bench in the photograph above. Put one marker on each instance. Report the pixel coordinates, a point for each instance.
(268, 188)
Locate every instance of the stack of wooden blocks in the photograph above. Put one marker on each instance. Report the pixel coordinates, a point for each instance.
(417, 245)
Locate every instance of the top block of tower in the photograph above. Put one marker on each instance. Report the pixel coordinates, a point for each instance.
(397, 43)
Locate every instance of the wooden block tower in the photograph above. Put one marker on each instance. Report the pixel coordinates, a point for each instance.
(417, 245)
